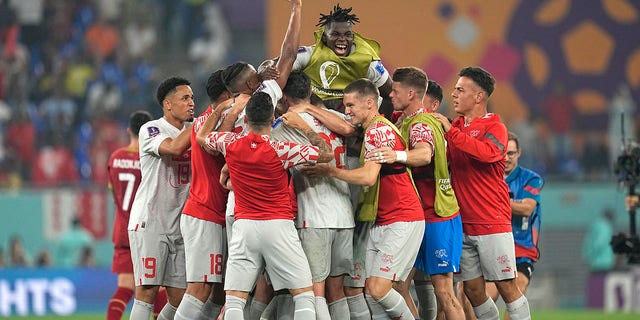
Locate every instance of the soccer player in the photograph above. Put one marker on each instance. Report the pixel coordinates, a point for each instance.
(157, 246)
(264, 234)
(203, 220)
(441, 247)
(340, 56)
(325, 217)
(524, 186)
(476, 149)
(124, 179)
(394, 240)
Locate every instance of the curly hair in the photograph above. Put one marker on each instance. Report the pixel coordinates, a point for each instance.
(338, 15)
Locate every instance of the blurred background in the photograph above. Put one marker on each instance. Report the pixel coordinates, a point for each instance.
(72, 71)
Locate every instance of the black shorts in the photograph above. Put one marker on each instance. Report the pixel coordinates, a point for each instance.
(525, 268)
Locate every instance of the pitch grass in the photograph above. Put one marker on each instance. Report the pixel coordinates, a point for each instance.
(536, 315)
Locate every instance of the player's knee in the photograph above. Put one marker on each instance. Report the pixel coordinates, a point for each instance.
(378, 287)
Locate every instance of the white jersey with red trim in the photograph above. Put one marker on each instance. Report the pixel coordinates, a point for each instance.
(165, 181)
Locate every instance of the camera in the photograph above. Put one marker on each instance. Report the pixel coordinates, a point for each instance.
(628, 171)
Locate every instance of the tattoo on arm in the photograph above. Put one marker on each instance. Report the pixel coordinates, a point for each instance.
(325, 154)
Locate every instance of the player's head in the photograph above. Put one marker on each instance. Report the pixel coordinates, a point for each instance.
(472, 90)
(433, 96)
(298, 87)
(338, 29)
(216, 90)
(361, 101)
(409, 86)
(481, 77)
(259, 110)
(176, 98)
(136, 120)
(513, 153)
(240, 77)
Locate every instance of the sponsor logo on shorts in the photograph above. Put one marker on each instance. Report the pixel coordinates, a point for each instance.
(507, 270)
(385, 269)
(443, 264)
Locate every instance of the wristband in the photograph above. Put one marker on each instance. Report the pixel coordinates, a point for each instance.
(401, 156)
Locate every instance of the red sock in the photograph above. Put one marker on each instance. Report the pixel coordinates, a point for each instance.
(118, 303)
(161, 300)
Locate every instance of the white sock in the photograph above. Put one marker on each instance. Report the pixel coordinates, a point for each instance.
(190, 308)
(168, 312)
(339, 309)
(358, 309)
(210, 310)
(322, 309)
(377, 310)
(305, 306)
(487, 311)
(255, 309)
(141, 310)
(395, 306)
(428, 303)
(519, 309)
(234, 308)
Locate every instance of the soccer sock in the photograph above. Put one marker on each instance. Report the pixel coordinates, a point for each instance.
(377, 311)
(285, 308)
(141, 310)
(339, 309)
(189, 309)
(256, 309)
(168, 312)
(118, 303)
(271, 309)
(428, 303)
(234, 308)
(487, 311)
(322, 309)
(210, 310)
(358, 309)
(304, 306)
(160, 302)
(519, 309)
(395, 306)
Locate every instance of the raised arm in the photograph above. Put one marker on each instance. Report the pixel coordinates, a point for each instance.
(209, 125)
(329, 119)
(176, 146)
(289, 48)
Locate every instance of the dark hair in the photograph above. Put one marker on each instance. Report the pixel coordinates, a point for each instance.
(298, 86)
(233, 74)
(481, 77)
(315, 100)
(514, 137)
(215, 85)
(434, 90)
(137, 119)
(338, 15)
(364, 88)
(169, 86)
(412, 77)
(259, 109)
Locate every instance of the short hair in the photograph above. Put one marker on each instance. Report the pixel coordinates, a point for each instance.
(169, 86)
(215, 85)
(481, 77)
(315, 100)
(298, 86)
(259, 109)
(338, 15)
(364, 88)
(514, 137)
(412, 77)
(233, 75)
(137, 119)
(434, 91)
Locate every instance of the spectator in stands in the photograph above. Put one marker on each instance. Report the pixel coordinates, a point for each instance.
(72, 244)
(43, 260)
(17, 253)
(596, 250)
(54, 165)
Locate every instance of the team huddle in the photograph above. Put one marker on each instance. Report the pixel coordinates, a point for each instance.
(319, 186)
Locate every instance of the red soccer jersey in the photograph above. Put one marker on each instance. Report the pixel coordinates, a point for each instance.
(476, 154)
(258, 172)
(398, 200)
(207, 198)
(124, 179)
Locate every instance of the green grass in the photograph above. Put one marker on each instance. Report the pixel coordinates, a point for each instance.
(537, 315)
